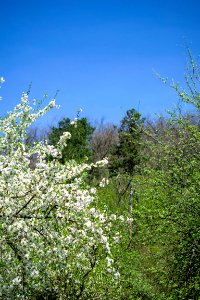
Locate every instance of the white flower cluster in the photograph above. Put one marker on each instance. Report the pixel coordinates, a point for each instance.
(104, 182)
(102, 163)
(74, 122)
(51, 150)
(63, 139)
(50, 235)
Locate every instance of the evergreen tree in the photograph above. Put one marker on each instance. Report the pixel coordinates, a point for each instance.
(78, 146)
(126, 155)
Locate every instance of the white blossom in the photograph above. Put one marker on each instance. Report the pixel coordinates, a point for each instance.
(48, 219)
(63, 139)
(104, 182)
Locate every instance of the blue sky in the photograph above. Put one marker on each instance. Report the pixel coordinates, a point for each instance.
(99, 54)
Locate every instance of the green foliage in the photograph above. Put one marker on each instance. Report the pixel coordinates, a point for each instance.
(190, 94)
(126, 155)
(165, 253)
(169, 202)
(154, 170)
(78, 146)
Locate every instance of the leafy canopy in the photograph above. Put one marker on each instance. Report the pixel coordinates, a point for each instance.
(78, 147)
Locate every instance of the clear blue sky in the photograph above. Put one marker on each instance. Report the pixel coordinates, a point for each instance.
(99, 54)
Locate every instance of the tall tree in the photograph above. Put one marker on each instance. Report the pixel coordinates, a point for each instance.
(126, 155)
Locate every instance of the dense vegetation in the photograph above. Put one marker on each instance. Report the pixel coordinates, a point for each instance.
(158, 185)
(149, 190)
(159, 182)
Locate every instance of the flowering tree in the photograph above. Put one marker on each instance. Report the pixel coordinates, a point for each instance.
(53, 242)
